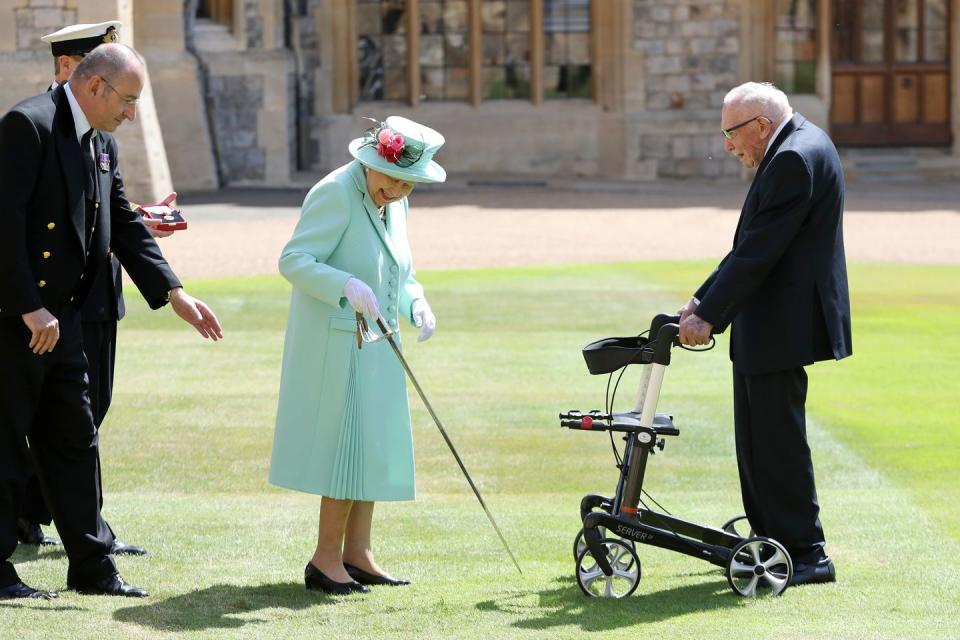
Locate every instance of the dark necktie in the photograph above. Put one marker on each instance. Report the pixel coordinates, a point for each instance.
(91, 186)
(90, 179)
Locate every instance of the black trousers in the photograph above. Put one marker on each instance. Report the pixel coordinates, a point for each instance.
(44, 400)
(100, 348)
(776, 470)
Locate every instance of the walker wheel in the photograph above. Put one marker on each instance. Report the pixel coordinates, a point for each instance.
(736, 527)
(626, 571)
(579, 544)
(759, 567)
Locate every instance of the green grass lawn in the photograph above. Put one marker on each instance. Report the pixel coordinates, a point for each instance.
(186, 450)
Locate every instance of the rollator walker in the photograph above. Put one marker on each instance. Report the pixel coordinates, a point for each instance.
(604, 550)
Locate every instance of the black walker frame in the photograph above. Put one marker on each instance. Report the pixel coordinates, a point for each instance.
(755, 565)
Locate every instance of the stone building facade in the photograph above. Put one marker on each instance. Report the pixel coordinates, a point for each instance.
(267, 92)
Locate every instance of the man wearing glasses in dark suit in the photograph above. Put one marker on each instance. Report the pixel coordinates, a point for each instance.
(63, 205)
(783, 290)
(103, 308)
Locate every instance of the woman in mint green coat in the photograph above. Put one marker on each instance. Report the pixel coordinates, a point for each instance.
(343, 422)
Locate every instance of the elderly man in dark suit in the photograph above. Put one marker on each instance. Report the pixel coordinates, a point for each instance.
(63, 207)
(784, 289)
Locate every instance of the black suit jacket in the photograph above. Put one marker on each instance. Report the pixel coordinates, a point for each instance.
(784, 284)
(44, 261)
(104, 301)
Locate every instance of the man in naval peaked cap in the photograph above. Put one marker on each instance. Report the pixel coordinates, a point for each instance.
(70, 44)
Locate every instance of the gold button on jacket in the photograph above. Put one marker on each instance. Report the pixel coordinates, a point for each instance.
(51, 225)
(42, 283)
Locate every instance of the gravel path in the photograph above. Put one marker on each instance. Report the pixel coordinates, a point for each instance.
(240, 232)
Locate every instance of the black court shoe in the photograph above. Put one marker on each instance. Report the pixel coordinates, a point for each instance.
(364, 577)
(315, 580)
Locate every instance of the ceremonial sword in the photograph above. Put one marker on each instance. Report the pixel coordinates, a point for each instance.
(365, 335)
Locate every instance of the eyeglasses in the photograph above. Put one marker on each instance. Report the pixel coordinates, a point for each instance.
(130, 102)
(726, 132)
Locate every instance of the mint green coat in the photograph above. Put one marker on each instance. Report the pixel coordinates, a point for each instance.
(343, 421)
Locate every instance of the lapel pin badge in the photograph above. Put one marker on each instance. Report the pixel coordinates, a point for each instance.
(105, 162)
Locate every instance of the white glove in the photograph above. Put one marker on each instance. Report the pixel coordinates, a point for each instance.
(423, 317)
(361, 298)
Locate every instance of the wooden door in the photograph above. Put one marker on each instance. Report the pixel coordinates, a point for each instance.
(891, 75)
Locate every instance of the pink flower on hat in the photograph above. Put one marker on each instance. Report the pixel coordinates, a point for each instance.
(390, 145)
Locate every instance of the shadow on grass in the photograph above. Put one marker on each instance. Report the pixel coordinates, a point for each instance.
(31, 552)
(565, 605)
(19, 604)
(222, 606)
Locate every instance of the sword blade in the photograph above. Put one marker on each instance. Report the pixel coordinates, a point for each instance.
(446, 438)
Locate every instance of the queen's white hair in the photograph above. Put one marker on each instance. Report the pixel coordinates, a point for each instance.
(763, 97)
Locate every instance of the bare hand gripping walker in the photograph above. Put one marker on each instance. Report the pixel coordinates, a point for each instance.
(608, 566)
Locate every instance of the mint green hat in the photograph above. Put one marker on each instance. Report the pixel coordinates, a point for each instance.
(401, 149)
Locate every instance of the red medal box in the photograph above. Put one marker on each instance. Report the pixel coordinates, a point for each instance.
(171, 219)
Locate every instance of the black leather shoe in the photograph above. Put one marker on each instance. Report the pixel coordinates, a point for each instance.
(818, 572)
(121, 548)
(20, 590)
(31, 533)
(363, 577)
(112, 585)
(317, 581)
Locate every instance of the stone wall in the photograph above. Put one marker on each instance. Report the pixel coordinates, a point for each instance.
(305, 46)
(26, 66)
(26, 69)
(253, 24)
(39, 18)
(251, 103)
(691, 52)
(250, 94)
(235, 103)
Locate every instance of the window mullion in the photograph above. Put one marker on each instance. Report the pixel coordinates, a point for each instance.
(413, 52)
(536, 52)
(475, 30)
(350, 64)
(596, 23)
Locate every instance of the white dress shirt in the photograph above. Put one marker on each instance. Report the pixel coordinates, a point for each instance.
(777, 132)
(79, 117)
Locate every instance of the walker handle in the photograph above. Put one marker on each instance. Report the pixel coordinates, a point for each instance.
(661, 319)
(667, 336)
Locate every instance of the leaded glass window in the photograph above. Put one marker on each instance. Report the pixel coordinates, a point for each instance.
(935, 31)
(796, 46)
(444, 50)
(506, 48)
(566, 29)
(473, 50)
(382, 49)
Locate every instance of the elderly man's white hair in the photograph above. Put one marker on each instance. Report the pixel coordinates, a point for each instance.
(765, 98)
